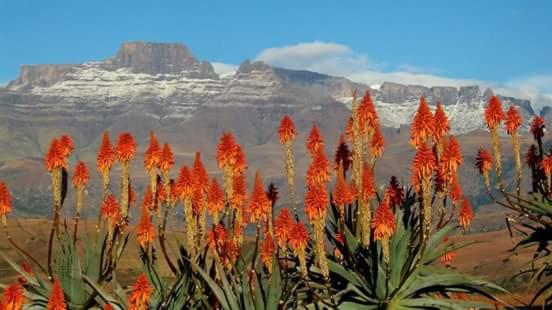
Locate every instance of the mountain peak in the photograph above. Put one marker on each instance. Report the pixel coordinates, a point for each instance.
(154, 58)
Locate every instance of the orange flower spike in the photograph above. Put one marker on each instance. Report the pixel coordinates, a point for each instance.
(5, 200)
(483, 161)
(282, 226)
(286, 131)
(447, 258)
(55, 157)
(67, 146)
(423, 165)
(144, 230)
(513, 120)
(442, 126)
(81, 176)
(226, 151)
(108, 307)
(267, 250)
(239, 189)
(184, 183)
(166, 160)
(537, 127)
(152, 155)
(466, 215)
(493, 113)
(240, 164)
(377, 143)
(314, 140)
(452, 156)
(342, 195)
(110, 208)
(547, 165)
(349, 128)
(455, 192)
(368, 189)
(57, 299)
(384, 221)
(319, 169)
(200, 178)
(13, 298)
(298, 237)
(148, 200)
(367, 115)
(140, 294)
(316, 202)
(125, 149)
(423, 124)
(394, 192)
(259, 204)
(215, 199)
(106, 155)
(216, 237)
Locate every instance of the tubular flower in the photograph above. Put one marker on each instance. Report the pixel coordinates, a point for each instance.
(184, 184)
(106, 155)
(215, 200)
(108, 307)
(298, 239)
(343, 155)
(55, 158)
(57, 299)
(447, 258)
(394, 192)
(367, 115)
(319, 169)
(442, 126)
(110, 208)
(455, 192)
(239, 191)
(148, 201)
(423, 124)
(27, 269)
(5, 200)
(349, 129)
(230, 252)
(282, 225)
(547, 165)
(384, 221)
(532, 157)
(513, 120)
(377, 143)
(286, 131)
(466, 215)
(226, 151)
(493, 113)
(483, 161)
(125, 149)
(537, 127)
(314, 140)
(144, 230)
(240, 164)
(259, 205)
(452, 156)
(267, 250)
(200, 178)
(152, 155)
(66, 144)
(422, 166)
(140, 294)
(216, 237)
(342, 195)
(368, 189)
(12, 298)
(316, 202)
(80, 177)
(166, 160)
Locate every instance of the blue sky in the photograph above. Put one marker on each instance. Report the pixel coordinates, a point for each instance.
(500, 43)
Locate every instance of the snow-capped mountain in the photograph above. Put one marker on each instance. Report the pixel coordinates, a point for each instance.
(166, 81)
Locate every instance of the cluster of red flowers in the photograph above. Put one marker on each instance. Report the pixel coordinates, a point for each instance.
(58, 153)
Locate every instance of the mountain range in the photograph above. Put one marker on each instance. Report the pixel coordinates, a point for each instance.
(165, 88)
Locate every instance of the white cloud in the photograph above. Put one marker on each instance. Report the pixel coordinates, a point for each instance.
(224, 68)
(341, 60)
